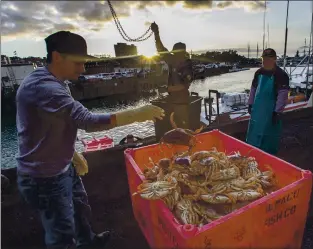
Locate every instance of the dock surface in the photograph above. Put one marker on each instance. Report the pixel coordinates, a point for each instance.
(107, 187)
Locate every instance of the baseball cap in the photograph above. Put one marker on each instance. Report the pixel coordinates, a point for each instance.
(269, 52)
(179, 47)
(69, 44)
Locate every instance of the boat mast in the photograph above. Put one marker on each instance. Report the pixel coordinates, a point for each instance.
(309, 55)
(286, 35)
(248, 50)
(264, 15)
(268, 35)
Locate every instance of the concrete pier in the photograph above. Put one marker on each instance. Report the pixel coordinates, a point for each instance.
(103, 88)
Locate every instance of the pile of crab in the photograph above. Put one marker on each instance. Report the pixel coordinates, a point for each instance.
(205, 186)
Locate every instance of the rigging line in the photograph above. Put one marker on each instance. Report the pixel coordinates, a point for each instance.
(119, 26)
(122, 31)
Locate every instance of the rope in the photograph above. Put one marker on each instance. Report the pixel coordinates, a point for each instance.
(122, 32)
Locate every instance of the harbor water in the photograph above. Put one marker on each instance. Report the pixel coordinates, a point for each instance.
(229, 82)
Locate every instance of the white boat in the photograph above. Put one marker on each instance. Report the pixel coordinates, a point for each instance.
(236, 108)
(302, 82)
(14, 74)
(236, 69)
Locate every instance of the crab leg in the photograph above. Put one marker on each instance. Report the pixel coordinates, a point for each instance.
(172, 121)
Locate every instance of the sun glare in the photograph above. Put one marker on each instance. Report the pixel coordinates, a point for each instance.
(149, 55)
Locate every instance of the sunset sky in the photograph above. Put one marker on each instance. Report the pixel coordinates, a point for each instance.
(202, 25)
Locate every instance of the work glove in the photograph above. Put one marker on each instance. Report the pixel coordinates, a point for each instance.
(141, 114)
(80, 164)
(275, 118)
(250, 109)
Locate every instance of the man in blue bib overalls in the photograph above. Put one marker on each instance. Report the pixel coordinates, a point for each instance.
(268, 98)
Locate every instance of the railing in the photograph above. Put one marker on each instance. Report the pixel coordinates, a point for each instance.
(209, 113)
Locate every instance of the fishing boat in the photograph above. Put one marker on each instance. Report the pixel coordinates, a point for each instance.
(233, 107)
(237, 69)
(302, 82)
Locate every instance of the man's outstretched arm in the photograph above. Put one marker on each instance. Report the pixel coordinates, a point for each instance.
(163, 51)
(56, 101)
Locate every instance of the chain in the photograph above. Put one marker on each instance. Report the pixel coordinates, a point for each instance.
(122, 31)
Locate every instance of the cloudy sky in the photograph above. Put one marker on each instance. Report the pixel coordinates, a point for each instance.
(201, 25)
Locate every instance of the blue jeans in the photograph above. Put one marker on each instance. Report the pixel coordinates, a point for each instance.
(63, 206)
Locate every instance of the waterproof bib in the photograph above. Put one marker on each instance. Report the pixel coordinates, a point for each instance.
(261, 132)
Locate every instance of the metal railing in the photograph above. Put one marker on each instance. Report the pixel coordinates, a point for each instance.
(208, 108)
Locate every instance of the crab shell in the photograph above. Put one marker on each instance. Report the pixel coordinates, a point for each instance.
(207, 213)
(224, 188)
(267, 179)
(226, 174)
(197, 156)
(172, 199)
(251, 171)
(246, 195)
(237, 184)
(242, 162)
(155, 190)
(216, 199)
(189, 216)
(186, 212)
(178, 136)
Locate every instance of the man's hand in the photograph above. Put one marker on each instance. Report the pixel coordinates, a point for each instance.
(275, 118)
(80, 164)
(250, 109)
(149, 112)
(141, 114)
(154, 27)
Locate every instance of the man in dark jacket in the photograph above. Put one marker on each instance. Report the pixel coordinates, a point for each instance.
(180, 67)
(268, 97)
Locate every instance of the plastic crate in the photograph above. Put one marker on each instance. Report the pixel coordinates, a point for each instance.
(98, 144)
(274, 221)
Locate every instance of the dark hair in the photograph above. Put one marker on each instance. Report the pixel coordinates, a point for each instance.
(179, 46)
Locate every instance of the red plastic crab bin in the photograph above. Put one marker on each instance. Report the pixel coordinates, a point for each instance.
(274, 221)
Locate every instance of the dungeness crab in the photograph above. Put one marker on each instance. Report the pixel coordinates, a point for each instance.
(155, 190)
(180, 136)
